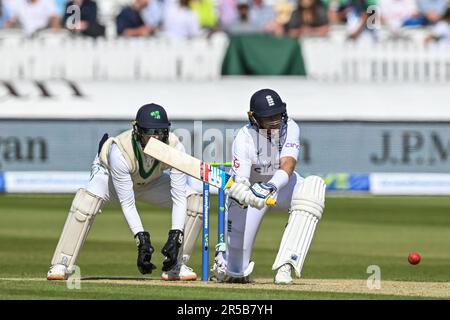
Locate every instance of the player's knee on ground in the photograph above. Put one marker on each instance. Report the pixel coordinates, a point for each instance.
(306, 210)
(84, 207)
(193, 225)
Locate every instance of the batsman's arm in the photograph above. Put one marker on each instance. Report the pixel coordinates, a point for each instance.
(288, 157)
(241, 165)
(288, 164)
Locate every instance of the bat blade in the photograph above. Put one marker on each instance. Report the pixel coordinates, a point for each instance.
(174, 158)
(187, 164)
(191, 166)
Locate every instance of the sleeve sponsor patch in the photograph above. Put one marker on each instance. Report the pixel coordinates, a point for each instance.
(292, 145)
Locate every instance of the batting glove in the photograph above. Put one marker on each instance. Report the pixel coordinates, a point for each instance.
(259, 193)
(239, 191)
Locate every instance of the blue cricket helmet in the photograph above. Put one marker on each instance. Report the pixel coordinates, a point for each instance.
(152, 116)
(151, 120)
(266, 103)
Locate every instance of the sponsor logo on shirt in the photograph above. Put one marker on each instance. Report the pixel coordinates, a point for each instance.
(292, 145)
(266, 168)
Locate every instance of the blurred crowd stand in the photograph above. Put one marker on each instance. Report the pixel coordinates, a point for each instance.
(340, 40)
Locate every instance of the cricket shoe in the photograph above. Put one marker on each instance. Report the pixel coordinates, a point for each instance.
(58, 272)
(180, 272)
(283, 275)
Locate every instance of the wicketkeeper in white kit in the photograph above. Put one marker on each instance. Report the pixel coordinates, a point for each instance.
(265, 153)
(122, 172)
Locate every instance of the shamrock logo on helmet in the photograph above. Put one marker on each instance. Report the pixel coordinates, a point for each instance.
(155, 115)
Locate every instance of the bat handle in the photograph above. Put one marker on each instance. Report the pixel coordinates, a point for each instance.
(270, 202)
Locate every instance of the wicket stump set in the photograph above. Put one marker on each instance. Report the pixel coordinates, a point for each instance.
(206, 215)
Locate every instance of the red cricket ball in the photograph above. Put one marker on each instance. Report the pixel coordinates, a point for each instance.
(414, 258)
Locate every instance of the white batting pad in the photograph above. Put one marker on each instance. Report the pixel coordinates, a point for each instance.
(306, 210)
(193, 225)
(84, 207)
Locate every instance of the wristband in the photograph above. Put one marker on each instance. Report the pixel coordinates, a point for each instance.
(279, 179)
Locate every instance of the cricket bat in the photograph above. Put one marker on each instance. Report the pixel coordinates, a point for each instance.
(192, 166)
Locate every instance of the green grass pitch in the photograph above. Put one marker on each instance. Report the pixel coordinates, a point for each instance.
(355, 232)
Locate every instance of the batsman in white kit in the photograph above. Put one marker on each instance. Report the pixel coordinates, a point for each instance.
(265, 153)
(121, 172)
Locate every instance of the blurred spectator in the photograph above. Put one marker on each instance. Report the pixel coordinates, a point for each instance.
(227, 12)
(130, 23)
(34, 15)
(88, 24)
(204, 9)
(333, 6)
(61, 7)
(4, 14)
(441, 31)
(180, 22)
(432, 10)
(356, 15)
(242, 24)
(262, 14)
(399, 13)
(153, 13)
(308, 19)
(283, 11)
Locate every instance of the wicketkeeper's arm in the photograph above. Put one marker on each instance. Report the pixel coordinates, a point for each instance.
(121, 178)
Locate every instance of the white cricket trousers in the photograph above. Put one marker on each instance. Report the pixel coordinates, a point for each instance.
(243, 225)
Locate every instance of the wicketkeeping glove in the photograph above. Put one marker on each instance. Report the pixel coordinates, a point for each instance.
(171, 249)
(145, 251)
